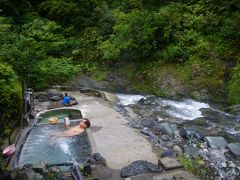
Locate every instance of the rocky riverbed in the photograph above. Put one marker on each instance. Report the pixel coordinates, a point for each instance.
(202, 132)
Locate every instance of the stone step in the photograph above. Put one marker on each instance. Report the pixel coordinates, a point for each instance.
(217, 142)
(169, 163)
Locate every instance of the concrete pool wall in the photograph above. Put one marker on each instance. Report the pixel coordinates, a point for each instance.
(65, 146)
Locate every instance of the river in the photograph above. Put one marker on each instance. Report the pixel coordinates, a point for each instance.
(188, 124)
(186, 110)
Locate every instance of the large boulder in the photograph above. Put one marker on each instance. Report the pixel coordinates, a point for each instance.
(148, 122)
(168, 153)
(216, 141)
(140, 167)
(190, 134)
(151, 100)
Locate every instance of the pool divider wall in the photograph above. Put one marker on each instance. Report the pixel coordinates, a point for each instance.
(60, 113)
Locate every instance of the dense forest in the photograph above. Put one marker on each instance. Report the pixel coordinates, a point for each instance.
(47, 42)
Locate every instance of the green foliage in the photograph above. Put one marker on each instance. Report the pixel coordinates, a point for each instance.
(109, 50)
(53, 71)
(193, 165)
(81, 13)
(196, 39)
(10, 93)
(39, 53)
(234, 86)
(59, 10)
(133, 36)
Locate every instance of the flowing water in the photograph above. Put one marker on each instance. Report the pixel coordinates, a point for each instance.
(188, 110)
(41, 144)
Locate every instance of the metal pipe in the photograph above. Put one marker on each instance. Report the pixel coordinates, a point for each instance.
(76, 167)
(73, 174)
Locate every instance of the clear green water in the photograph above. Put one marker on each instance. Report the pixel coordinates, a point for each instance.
(41, 144)
(60, 114)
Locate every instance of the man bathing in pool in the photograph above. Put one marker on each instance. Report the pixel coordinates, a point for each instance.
(72, 131)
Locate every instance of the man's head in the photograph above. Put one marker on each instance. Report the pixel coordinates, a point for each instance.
(85, 123)
(66, 94)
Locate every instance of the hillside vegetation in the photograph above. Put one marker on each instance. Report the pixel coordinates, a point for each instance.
(186, 48)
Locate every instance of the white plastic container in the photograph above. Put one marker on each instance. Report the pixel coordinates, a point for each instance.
(66, 122)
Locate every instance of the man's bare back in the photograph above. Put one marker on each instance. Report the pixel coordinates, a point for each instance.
(76, 130)
(72, 131)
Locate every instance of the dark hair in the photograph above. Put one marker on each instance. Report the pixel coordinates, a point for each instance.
(66, 94)
(87, 122)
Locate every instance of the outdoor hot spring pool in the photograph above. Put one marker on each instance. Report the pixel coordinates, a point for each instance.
(41, 144)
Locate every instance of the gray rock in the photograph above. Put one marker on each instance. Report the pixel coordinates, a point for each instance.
(234, 148)
(41, 96)
(168, 153)
(140, 167)
(165, 137)
(135, 125)
(216, 141)
(169, 163)
(191, 151)
(145, 131)
(167, 129)
(85, 81)
(96, 159)
(91, 92)
(217, 157)
(177, 149)
(54, 169)
(26, 174)
(188, 133)
(148, 122)
(223, 165)
(54, 96)
(40, 167)
(174, 121)
(147, 101)
(231, 164)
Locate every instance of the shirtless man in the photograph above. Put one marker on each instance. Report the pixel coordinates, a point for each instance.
(72, 131)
